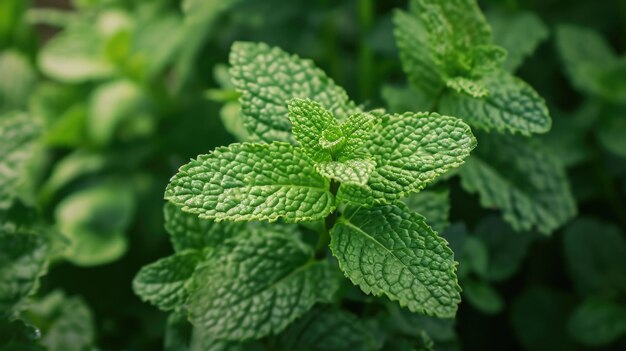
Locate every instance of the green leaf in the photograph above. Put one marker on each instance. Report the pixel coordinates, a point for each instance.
(415, 56)
(506, 248)
(164, 282)
(18, 80)
(75, 165)
(591, 63)
(482, 296)
(520, 33)
(356, 130)
(258, 286)
(595, 254)
(410, 151)
(390, 250)
(597, 322)
(268, 77)
(203, 341)
(244, 182)
(18, 147)
(315, 129)
(434, 205)
(519, 177)
(350, 172)
(95, 220)
(67, 323)
(75, 55)
(457, 39)
(331, 146)
(22, 262)
(467, 86)
(188, 231)
(459, 24)
(111, 104)
(512, 106)
(327, 329)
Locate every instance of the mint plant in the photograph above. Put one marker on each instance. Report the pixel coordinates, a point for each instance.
(462, 71)
(320, 159)
(322, 214)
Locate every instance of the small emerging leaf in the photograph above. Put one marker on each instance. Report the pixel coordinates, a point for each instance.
(410, 150)
(314, 128)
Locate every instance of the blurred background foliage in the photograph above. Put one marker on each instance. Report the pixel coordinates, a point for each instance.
(110, 97)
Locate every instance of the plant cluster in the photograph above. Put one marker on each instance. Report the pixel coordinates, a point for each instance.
(469, 196)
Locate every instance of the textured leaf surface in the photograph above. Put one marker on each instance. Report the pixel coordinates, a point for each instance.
(518, 176)
(18, 135)
(512, 106)
(457, 38)
(325, 329)
(595, 254)
(356, 130)
(410, 151)
(314, 128)
(259, 286)
(390, 250)
(244, 182)
(506, 249)
(519, 33)
(598, 322)
(413, 47)
(434, 205)
(164, 282)
(188, 231)
(459, 22)
(22, 261)
(351, 172)
(268, 77)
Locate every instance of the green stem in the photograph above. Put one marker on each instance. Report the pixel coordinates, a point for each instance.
(324, 239)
